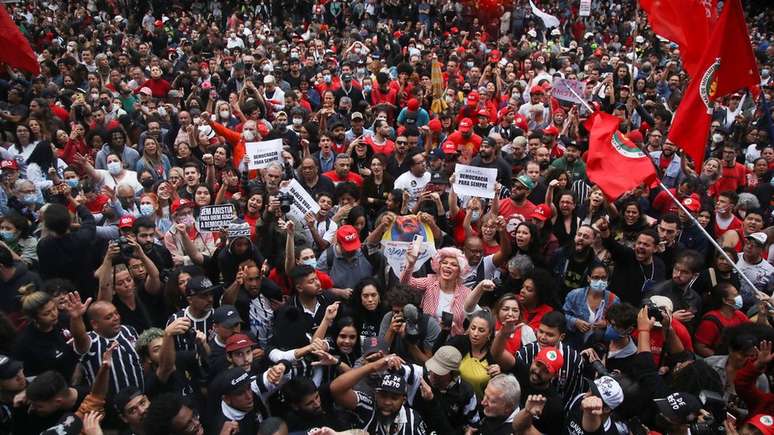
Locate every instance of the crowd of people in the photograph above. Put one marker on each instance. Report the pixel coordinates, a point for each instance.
(549, 308)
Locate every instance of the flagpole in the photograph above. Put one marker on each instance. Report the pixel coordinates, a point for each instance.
(690, 216)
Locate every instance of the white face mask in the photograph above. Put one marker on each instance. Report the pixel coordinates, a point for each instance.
(248, 135)
(297, 121)
(225, 114)
(114, 168)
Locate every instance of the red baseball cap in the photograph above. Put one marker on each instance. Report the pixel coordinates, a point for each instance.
(494, 56)
(348, 238)
(181, 203)
(635, 136)
(466, 125)
(551, 130)
(9, 165)
(473, 98)
(692, 203)
(551, 358)
(238, 342)
(413, 104)
(542, 212)
(520, 121)
(483, 112)
(537, 90)
(449, 147)
(504, 111)
(126, 221)
(435, 125)
(763, 422)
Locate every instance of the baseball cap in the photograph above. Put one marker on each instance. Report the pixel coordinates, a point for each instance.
(526, 181)
(199, 284)
(466, 125)
(542, 212)
(609, 390)
(639, 39)
(551, 131)
(181, 203)
(126, 222)
(473, 98)
(68, 424)
(356, 115)
(438, 178)
(446, 359)
(449, 147)
(435, 125)
(174, 93)
(413, 104)
(233, 380)
(227, 316)
(678, 406)
(9, 165)
(760, 238)
(238, 342)
(537, 89)
(692, 203)
(662, 302)
(9, 367)
(484, 113)
(146, 90)
(348, 238)
(494, 56)
(268, 79)
(392, 383)
(635, 136)
(346, 77)
(550, 357)
(763, 422)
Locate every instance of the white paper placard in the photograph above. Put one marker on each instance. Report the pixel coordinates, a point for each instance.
(474, 181)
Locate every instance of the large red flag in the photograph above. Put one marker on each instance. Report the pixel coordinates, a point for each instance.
(15, 49)
(684, 22)
(615, 163)
(727, 65)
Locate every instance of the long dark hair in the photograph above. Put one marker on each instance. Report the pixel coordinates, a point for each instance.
(356, 302)
(43, 156)
(545, 288)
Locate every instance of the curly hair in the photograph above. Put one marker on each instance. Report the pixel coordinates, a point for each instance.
(462, 262)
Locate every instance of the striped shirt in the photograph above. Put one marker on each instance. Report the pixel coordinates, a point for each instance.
(570, 381)
(431, 288)
(204, 324)
(126, 368)
(406, 422)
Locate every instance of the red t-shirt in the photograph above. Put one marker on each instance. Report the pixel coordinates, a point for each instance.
(708, 333)
(514, 342)
(657, 339)
(514, 214)
(731, 178)
(351, 176)
(735, 225)
(468, 148)
(533, 318)
(386, 148)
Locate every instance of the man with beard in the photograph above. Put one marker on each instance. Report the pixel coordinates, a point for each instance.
(342, 171)
(489, 157)
(467, 141)
(500, 405)
(572, 263)
(517, 208)
(571, 162)
(685, 300)
(144, 230)
(485, 267)
(669, 163)
(131, 405)
(384, 412)
(310, 406)
(542, 407)
(12, 382)
(255, 299)
(415, 180)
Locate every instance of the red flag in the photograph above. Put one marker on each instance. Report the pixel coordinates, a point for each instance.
(728, 65)
(15, 49)
(684, 22)
(615, 163)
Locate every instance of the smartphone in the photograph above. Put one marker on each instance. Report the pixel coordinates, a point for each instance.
(416, 244)
(731, 418)
(446, 319)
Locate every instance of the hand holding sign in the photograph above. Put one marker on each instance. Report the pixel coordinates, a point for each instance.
(474, 181)
(262, 154)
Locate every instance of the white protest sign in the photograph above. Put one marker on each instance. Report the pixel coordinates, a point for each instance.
(560, 89)
(474, 181)
(395, 253)
(585, 8)
(303, 202)
(215, 217)
(262, 154)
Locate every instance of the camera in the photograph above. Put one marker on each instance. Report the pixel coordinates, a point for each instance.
(285, 201)
(655, 312)
(713, 403)
(126, 251)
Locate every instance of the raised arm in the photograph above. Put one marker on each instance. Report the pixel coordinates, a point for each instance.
(167, 355)
(504, 358)
(105, 273)
(471, 301)
(76, 309)
(500, 257)
(341, 387)
(327, 321)
(153, 280)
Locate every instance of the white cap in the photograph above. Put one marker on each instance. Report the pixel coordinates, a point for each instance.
(662, 302)
(532, 33)
(609, 390)
(588, 35)
(268, 79)
(759, 237)
(555, 32)
(639, 39)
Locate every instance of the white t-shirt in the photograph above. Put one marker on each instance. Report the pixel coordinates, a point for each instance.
(129, 177)
(444, 303)
(414, 185)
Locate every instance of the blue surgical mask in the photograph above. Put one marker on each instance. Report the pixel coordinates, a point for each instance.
(146, 209)
(367, 88)
(311, 262)
(73, 182)
(611, 334)
(598, 285)
(114, 168)
(475, 216)
(738, 302)
(30, 198)
(8, 236)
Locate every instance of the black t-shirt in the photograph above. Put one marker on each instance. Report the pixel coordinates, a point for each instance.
(575, 418)
(330, 416)
(42, 351)
(25, 423)
(138, 318)
(552, 419)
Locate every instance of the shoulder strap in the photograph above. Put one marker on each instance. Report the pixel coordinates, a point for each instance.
(331, 255)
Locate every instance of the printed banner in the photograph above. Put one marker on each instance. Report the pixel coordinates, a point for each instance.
(560, 89)
(397, 240)
(474, 181)
(303, 202)
(215, 217)
(262, 154)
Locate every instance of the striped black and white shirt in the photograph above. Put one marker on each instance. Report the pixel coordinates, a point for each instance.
(126, 368)
(570, 381)
(203, 324)
(406, 422)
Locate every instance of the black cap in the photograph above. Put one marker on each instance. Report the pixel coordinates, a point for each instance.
(69, 424)
(438, 178)
(678, 407)
(9, 367)
(232, 381)
(227, 316)
(198, 285)
(346, 77)
(392, 383)
(125, 396)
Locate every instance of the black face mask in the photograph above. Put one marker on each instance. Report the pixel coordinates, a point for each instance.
(147, 185)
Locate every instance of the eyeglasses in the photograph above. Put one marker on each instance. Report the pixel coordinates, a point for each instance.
(401, 142)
